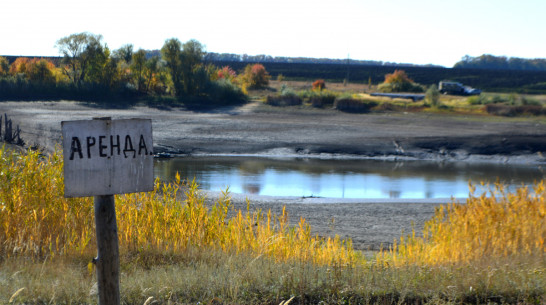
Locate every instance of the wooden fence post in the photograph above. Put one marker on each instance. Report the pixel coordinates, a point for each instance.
(107, 260)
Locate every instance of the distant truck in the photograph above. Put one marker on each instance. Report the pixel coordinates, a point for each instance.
(456, 88)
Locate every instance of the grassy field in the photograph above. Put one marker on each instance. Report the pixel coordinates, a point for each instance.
(489, 103)
(177, 250)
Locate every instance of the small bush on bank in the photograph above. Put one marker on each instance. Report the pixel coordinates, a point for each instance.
(508, 110)
(322, 98)
(432, 96)
(287, 97)
(398, 81)
(477, 100)
(395, 87)
(224, 92)
(255, 76)
(319, 84)
(348, 104)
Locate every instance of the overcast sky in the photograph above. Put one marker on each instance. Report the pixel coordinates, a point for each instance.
(420, 31)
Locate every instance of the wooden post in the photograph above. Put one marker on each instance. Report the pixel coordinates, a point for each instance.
(103, 157)
(107, 260)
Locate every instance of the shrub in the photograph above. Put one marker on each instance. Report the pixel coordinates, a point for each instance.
(399, 82)
(319, 85)
(226, 73)
(508, 110)
(286, 91)
(397, 77)
(477, 100)
(287, 97)
(394, 87)
(255, 76)
(432, 96)
(348, 104)
(321, 98)
(530, 101)
(224, 92)
(496, 99)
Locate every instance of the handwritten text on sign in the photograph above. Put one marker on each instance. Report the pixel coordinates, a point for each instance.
(106, 157)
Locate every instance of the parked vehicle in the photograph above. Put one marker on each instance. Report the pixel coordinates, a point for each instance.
(456, 88)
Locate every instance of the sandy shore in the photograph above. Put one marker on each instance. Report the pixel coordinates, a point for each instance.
(256, 129)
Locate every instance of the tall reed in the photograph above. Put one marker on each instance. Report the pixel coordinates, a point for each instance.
(36, 220)
(495, 225)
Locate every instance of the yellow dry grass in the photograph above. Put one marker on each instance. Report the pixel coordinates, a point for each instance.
(36, 220)
(502, 225)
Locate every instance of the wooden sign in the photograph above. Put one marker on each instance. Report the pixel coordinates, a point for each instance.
(106, 157)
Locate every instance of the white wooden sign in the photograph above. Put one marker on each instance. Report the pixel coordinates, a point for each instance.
(106, 157)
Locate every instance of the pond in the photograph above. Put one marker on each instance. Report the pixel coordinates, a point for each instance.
(370, 179)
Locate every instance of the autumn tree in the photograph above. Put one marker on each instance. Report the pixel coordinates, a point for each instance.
(40, 70)
(123, 57)
(19, 65)
(110, 72)
(255, 76)
(193, 74)
(4, 66)
(138, 63)
(170, 52)
(78, 51)
(97, 57)
(124, 53)
(226, 73)
(183, 62)
(152, 70)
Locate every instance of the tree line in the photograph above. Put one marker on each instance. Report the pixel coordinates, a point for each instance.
(89, 70)
(491, 62)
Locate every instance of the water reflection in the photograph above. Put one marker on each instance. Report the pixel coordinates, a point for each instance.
(342, 178)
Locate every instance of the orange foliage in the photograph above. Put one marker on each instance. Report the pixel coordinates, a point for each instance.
(40, 70)
(319, 84)
(19, 65)
(226, 73)
(255, 76)
(398, 77)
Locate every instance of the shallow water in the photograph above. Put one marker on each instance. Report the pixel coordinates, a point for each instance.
(370, 179)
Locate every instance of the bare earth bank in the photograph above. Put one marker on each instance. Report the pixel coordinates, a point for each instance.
(255, 129)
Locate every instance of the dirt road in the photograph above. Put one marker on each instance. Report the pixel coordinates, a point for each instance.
(260, 129)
